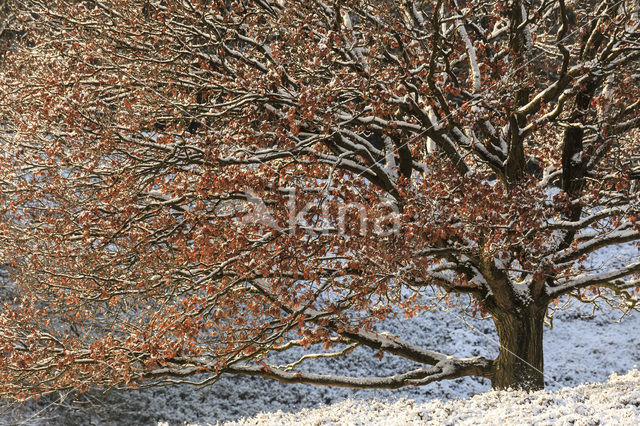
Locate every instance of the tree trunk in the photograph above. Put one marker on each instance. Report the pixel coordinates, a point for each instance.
(519, 364)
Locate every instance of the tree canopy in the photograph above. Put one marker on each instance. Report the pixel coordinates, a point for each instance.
(189, 186)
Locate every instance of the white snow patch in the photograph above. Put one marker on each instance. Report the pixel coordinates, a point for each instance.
(615, 402)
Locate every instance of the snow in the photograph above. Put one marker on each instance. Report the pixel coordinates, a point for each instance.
(616, 402)
(471, 53)
(431, 144)
(576, 159)
(527, 30)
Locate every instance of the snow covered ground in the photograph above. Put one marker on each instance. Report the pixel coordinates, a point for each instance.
(577, 350)
(580, 348)
(616, 402)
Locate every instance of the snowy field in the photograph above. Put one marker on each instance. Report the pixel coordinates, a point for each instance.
(616, 402)
(577, 350)
(580, 348)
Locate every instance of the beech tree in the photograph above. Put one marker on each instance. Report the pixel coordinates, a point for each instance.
(191, 186)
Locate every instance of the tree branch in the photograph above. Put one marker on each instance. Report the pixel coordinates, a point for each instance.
(587, 280)
(446, 369)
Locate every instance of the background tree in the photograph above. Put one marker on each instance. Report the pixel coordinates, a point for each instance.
(184, 183)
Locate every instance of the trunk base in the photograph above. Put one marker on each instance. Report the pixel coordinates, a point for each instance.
(520, 362)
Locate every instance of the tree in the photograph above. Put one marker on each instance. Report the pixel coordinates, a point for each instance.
(188, 187)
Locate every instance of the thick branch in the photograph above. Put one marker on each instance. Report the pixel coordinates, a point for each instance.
(617, 237)
(446, 369)
(587, 280)
(381, 342)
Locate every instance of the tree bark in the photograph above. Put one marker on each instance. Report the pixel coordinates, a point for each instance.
(520, 363)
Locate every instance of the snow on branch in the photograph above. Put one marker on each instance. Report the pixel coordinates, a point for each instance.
(600, 279)
(473, 59)
(293, 365)
(450, 368)
(618, 236)
(588, 220)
